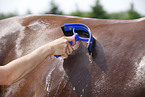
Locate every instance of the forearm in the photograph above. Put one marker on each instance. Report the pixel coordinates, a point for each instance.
(22, 66)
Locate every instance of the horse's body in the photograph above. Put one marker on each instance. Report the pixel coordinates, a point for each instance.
(123, 42)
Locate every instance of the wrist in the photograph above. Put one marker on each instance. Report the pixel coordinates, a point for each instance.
(50, 48)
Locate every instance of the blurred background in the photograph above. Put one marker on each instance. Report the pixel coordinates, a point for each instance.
(101, 9)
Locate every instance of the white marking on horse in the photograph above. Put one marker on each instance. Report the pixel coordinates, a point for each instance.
(141, 70)
(18, 49)
(140, 74)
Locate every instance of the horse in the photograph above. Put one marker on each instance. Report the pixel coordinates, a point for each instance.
(116, 67)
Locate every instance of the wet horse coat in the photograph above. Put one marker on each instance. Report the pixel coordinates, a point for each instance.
(120, 45)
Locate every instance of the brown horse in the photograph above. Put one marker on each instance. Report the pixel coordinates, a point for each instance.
(116, 67)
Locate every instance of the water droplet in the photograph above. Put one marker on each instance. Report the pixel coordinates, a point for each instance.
(74, 88)
(83, 90)
(90, 59)
(86, 85)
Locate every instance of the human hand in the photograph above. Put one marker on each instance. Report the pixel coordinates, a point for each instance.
(62, 46)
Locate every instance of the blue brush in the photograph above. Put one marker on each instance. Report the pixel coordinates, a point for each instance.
(77, 30)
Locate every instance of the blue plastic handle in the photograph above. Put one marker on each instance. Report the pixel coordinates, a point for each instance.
(57, 56)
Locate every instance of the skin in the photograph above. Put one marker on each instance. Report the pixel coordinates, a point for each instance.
(17, 69)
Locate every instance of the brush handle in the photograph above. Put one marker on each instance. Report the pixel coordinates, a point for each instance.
(77, 38)
(60, 55)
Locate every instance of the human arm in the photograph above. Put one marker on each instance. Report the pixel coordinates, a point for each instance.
(20, 67)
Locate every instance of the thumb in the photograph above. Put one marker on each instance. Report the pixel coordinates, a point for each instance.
(71, 38)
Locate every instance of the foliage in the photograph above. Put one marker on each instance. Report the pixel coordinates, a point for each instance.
(119, 15)
(79, 13)
(126, 15)
(28, 12)
(4, 16)
(54, 9)
(132, 14)
(97, 11)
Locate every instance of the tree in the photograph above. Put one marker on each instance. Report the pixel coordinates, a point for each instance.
(28, 12)
(119, 15)
(132, 14)
(54, 9)
(98, 11)
(126, 15)
(4, 16)
(78, 12)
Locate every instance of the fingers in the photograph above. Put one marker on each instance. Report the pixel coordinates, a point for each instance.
(65, 51)
(72, 38)
(68, 49)
(62, 46)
